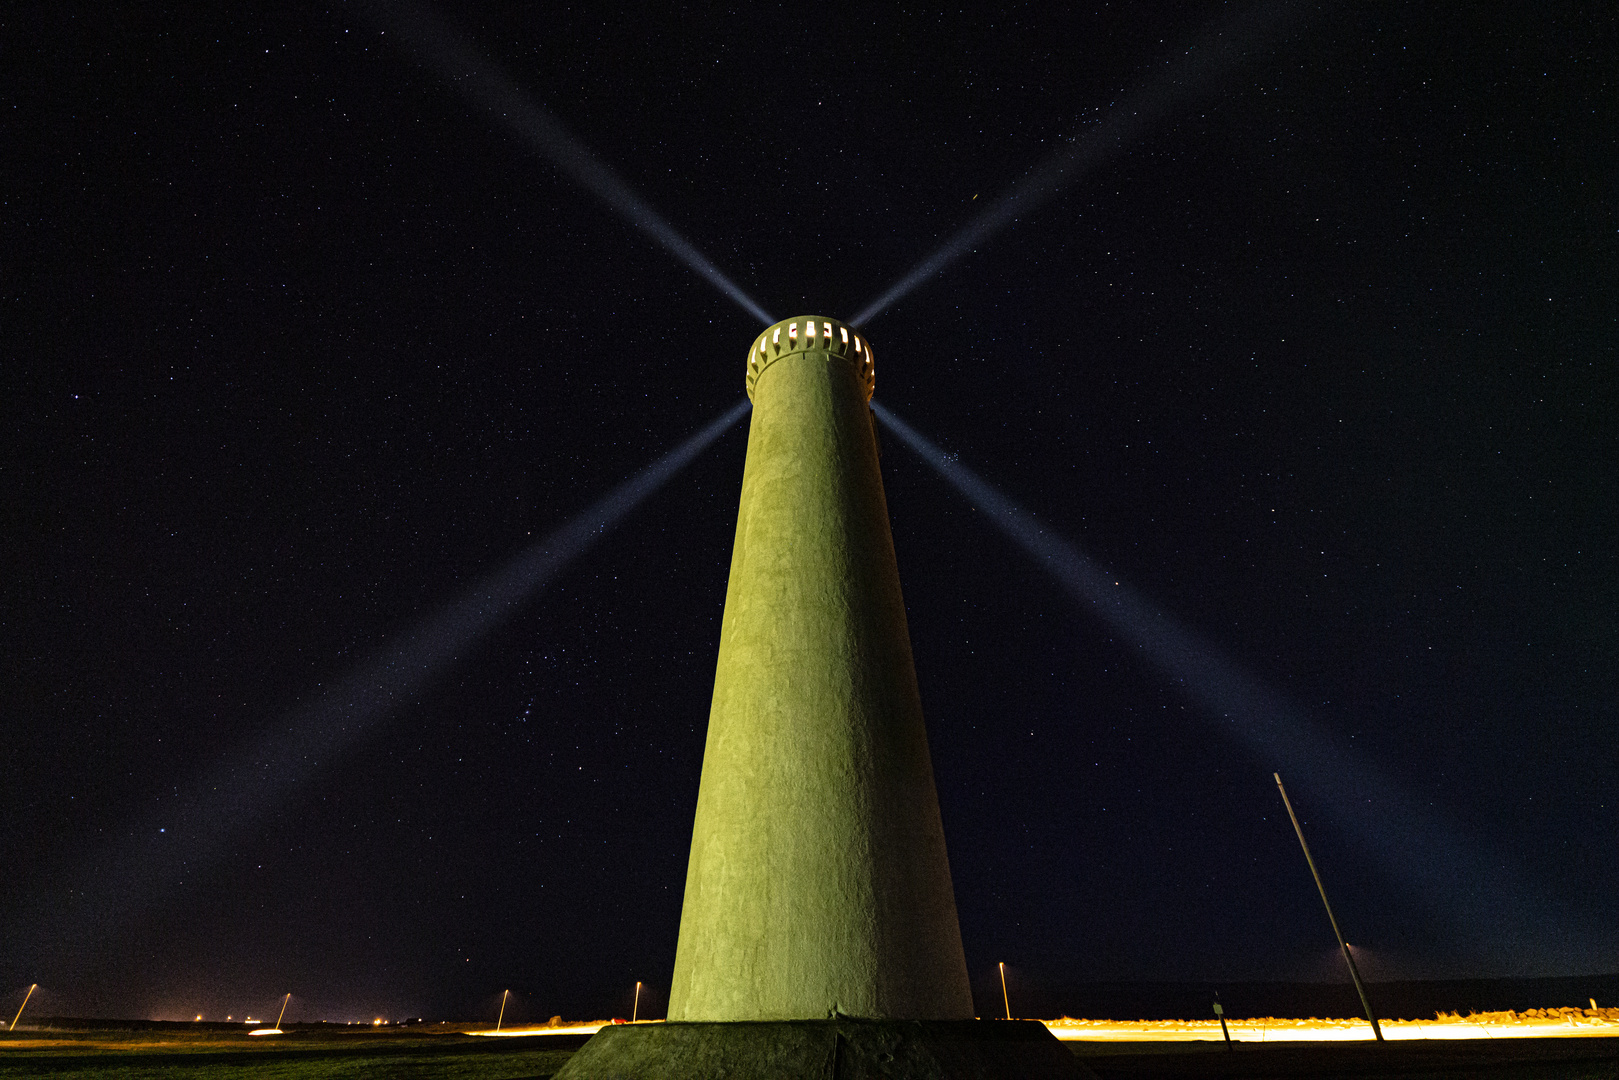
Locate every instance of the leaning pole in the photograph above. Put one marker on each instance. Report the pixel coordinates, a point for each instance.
(818, 936)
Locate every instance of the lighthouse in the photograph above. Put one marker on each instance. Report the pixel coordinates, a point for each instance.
(818, 883)
(818, 934)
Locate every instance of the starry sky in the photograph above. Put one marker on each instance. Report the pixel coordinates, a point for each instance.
(300, 340)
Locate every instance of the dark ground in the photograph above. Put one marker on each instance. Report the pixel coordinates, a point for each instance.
(404, 1054)
(400, 1054)
(1498, 1059)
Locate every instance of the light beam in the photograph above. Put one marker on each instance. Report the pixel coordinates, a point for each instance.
(441, 49)
(1458, 876)
(231, 800)
(1175, 80)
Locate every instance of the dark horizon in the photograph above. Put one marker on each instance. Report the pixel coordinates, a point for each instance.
(299, 346)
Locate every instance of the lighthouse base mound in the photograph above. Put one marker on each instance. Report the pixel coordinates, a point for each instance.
(839, 1049)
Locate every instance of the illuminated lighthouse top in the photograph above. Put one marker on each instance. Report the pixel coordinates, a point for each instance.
(812, 333)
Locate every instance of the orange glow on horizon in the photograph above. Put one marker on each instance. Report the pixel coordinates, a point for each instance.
(1533, 1024)
(583, 1028)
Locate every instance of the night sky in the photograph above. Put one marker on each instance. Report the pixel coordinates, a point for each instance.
(299, 342)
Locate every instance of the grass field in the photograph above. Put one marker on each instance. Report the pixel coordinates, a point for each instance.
(145, 1055)
(406, 1055)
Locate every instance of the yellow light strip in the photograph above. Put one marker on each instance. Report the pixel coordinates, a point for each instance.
(1274, 1030)
(564, 1029)
(1269, 1030)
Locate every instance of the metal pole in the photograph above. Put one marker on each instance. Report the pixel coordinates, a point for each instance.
(23, 1006)
(283, 1009)
(499, 1020)
(1354, 973)
(635, 1010)
(1219, 1010)
(1004, 999)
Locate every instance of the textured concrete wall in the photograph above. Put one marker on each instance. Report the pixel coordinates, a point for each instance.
(818, 879)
